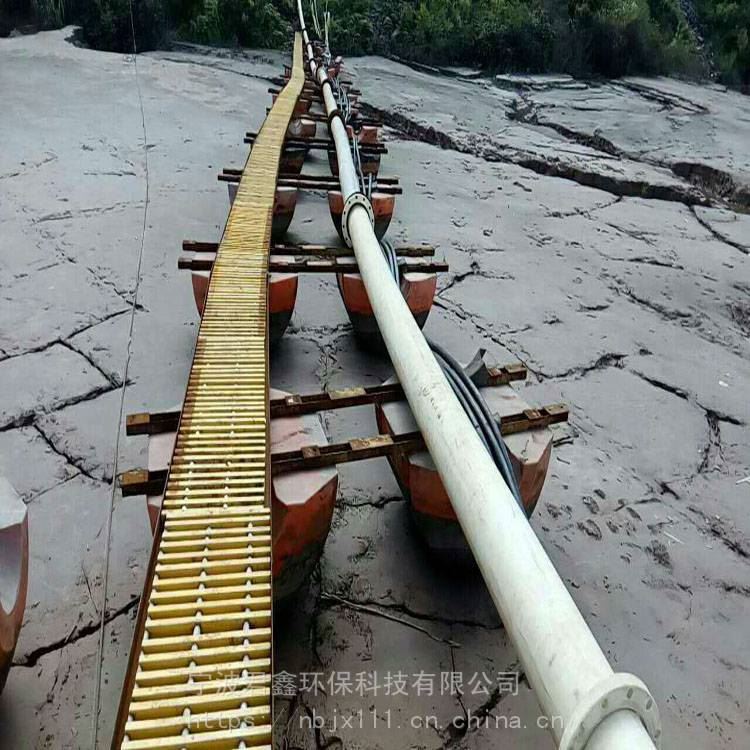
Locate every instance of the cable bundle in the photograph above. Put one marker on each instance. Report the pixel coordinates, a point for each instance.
(479, 413)
(468, 394)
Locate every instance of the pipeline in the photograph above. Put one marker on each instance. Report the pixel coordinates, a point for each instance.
(485, 424)
(589, 705)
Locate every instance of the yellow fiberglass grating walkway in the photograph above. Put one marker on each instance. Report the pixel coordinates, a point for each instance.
(200, 671)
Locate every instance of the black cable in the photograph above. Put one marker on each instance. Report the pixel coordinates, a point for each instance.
(480, 416)
(391, 258)
(472, 408)
(495, 439)
(481, 405)
(468, 396)
(463, 387)
(465, 403)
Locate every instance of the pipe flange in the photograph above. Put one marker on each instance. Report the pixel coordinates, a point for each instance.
(355, 199)
(617, 692)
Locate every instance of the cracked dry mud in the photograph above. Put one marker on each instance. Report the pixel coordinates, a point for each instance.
(596, 232)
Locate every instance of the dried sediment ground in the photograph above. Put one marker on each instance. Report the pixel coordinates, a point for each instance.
(596, 232)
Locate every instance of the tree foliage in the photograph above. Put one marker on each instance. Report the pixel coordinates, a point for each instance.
(106, 24)
(726, 25)
(584, 37)
(621, 37)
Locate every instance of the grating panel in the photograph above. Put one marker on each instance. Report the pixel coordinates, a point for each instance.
(203, 649)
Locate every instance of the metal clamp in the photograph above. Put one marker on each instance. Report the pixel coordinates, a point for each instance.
(328, 81)
(332, 115)
(355, 199)
(615, 693)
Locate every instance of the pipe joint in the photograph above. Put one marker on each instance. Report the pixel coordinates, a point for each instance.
(355, 199)
(618, 692)
(332, 115)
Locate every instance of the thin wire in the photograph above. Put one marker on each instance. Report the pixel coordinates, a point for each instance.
(314, 14)
(327, 22)
(129, 351)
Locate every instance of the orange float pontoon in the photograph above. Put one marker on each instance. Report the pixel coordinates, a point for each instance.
(383, 205)
(301, 127)
(302, 502)
(418, 290)
(282, 296)
(368, 135)
(420, 482)
(370, 162)
(283, 207)
(292, 159)
(302, 107)
(14, 572)
(282, 287)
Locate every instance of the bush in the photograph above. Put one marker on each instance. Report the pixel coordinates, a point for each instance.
(205, 24)
(45, 13)
(107, 24)
(253, 23)
(514, 36)
(726, 26)
(352, 31)
(583, 37)
(615, 37)
(9, 12)
(50, 14)
(250, 23)
(512, 33)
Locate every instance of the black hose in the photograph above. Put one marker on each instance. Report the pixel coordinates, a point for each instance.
(474, 410)
(497, 439)
(480, 416)
(392, 259)
(465, 403)
(468, 395)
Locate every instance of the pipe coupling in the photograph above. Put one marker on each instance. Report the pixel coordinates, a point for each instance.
(332, 115)
(328, 81)
(620, 691)
(355, 199)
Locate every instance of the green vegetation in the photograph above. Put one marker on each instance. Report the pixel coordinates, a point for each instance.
(106, 24)
(583, 37)
(249, 23)
(726, 27)
(617, 37)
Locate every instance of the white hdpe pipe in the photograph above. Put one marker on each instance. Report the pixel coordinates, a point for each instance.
(587, 704)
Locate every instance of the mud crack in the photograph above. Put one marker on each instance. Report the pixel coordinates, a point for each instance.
(718, 235)
(613, 359)
(481, 148)
(377, 609)
(32, 658)
(76, 462)
(27, 418)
